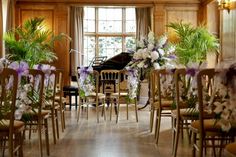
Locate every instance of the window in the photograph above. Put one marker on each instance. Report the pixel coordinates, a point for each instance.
(108, 31)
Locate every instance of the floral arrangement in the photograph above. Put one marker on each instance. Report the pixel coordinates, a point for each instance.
(154, 53)
(86, 82)
(223, 99)
(26, 96)
(132, 83)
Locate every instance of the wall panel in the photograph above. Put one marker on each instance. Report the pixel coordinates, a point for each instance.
(228, 35)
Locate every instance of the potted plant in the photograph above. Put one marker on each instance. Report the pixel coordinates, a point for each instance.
(193, 43)
(31, 43)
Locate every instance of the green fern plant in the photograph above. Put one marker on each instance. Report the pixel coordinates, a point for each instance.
(193, 42)
(31, 43)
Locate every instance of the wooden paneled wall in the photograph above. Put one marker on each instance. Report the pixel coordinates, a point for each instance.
(56, 13)
(228, 35)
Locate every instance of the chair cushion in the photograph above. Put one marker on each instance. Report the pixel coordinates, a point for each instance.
(4, 125)
(93, 95)
(115, 95)
(210, 125)
(186, 113)
(165, 104)
(33, 115)
(231, 149)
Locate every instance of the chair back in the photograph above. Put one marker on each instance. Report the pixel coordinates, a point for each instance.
(50, 88)
(109, 77)
(37, 83)
(8, 93)
(161, 85)
(205, 79)
(185, 91)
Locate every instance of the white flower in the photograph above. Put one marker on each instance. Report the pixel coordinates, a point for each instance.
(161, 51)
(154, 55)
(140, 43)
(145, 54)
(141, 64)
(151, 37)
(225, 125)
(219, 107)
(171, 49)
(162, 41)
(150, 47)
(156, 66)
(138, 55)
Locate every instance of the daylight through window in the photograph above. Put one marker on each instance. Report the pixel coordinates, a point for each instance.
(108, 31)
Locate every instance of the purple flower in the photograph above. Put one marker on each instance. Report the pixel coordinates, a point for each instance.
(22, 68)
(191, 71)
(172, 56)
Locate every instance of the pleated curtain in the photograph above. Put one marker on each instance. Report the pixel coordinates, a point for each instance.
(76, 33)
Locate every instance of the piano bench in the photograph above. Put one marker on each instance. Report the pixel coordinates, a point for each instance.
(71, 91)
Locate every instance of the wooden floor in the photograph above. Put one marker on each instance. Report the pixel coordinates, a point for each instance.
(87, 138)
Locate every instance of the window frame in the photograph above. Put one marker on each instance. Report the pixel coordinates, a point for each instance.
(123, 34)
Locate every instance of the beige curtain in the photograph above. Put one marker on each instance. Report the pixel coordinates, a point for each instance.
(143, 22)
(76, 33)
(10, 24)
(1, 31)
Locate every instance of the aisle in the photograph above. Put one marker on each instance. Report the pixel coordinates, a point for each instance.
(108, 139)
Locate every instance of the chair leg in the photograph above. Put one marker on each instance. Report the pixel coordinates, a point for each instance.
(46, 136)
(57, 123)
(97, 111)
(53, 126)
(21, 144)
(111, 110)
(104, 108)
(194, 143)
(40, 137)
(118, 112)
(151, 119)
(79, 107)
(61, 116)
(127, 109)
(176, 139)
(136, 110)
(158, 124)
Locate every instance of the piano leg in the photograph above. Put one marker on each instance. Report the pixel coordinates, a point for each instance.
(148, 101)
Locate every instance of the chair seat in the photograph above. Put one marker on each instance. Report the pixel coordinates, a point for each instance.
(210, 125)
(100, 95)
(115, 95)
(57, 99)
(33, 115)
(165, 104)
(18, 125)
(187, 113)
(231, 149)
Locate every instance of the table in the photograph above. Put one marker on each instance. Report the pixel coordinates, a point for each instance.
(71, 91)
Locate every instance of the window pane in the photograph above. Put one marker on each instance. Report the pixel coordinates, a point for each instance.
(109, 46)
(110, 20)
(89, 49)
(130, 14)
(130, 43)
(130, 20)
(89, 19)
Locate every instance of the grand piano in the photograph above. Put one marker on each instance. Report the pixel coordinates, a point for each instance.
(117, 62)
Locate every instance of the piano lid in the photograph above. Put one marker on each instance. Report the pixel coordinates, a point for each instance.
(116, 62)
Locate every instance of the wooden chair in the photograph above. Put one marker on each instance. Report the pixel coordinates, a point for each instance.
(122, 95)
(94, 97)
(36, 118)
(49, 103)
(230, 150)
(208, 130)
(161, 99)
(184, 112)
(59, 99)
(10, 129)
(109, 79)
